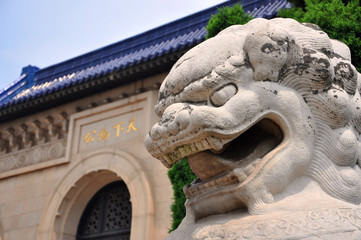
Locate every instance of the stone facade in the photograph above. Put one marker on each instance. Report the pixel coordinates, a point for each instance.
(53, 162)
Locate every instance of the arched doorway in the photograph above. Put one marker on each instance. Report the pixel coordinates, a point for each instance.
(108, 214)
(62, 214)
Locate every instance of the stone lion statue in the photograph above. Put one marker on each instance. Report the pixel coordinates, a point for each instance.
(269, 115)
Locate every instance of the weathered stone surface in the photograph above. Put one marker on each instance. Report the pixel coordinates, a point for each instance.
(269, 116)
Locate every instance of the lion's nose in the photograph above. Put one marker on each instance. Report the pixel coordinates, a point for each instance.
(174, 120)
(180, 122)
(155, 132)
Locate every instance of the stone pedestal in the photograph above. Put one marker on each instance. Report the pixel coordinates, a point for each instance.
(326, 224)
(307, 213)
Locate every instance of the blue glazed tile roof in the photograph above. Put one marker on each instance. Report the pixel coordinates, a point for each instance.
(7, 92)
(172, 37)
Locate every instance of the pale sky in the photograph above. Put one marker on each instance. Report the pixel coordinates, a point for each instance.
(46, 32)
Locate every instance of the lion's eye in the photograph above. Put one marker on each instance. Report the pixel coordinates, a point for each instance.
(280, 42)
(267, 48)
(222, 95)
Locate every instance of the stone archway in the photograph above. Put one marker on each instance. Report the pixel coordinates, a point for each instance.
(63, 211)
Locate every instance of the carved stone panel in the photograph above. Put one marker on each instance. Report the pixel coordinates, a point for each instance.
(32, 156)
(34, 143)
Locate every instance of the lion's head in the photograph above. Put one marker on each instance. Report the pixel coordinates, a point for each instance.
(256, 107)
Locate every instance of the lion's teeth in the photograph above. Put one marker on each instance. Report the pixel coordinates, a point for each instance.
(174, 157)
(177, 154)
(171, 158)
(255, 162)
(206, 185)
(182, 151)
(240, 174)
(188, 150)
(166, 163)
(168, 159)
(193, 147)
(205, 144)
(199, 146)
(215, 143)
(249, 170)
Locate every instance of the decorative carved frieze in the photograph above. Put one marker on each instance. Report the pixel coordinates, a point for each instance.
(28, 136)
(41, 132)
(33, 141)
(4, 144)
(31, 156)
(34, 133)
(15, 139)
(55, 130)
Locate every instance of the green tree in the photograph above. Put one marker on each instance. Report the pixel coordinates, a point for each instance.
(339, 19)
(226, 16)
(180, 175)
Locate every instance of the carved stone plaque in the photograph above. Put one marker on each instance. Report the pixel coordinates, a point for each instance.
(113, 130)
(115, 125)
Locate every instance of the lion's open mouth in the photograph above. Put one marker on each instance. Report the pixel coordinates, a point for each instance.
(236, 161)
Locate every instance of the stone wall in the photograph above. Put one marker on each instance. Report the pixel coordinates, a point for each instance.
(53, 162)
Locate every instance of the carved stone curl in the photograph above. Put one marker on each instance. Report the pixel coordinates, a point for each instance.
(269, 116)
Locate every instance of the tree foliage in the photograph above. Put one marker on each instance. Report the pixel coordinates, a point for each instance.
(180, 175)
(226, 16)
(339, 19)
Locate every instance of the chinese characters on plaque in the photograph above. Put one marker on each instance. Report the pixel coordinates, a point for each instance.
(103, 134)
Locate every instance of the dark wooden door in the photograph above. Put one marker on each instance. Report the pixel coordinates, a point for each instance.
(108, 214)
